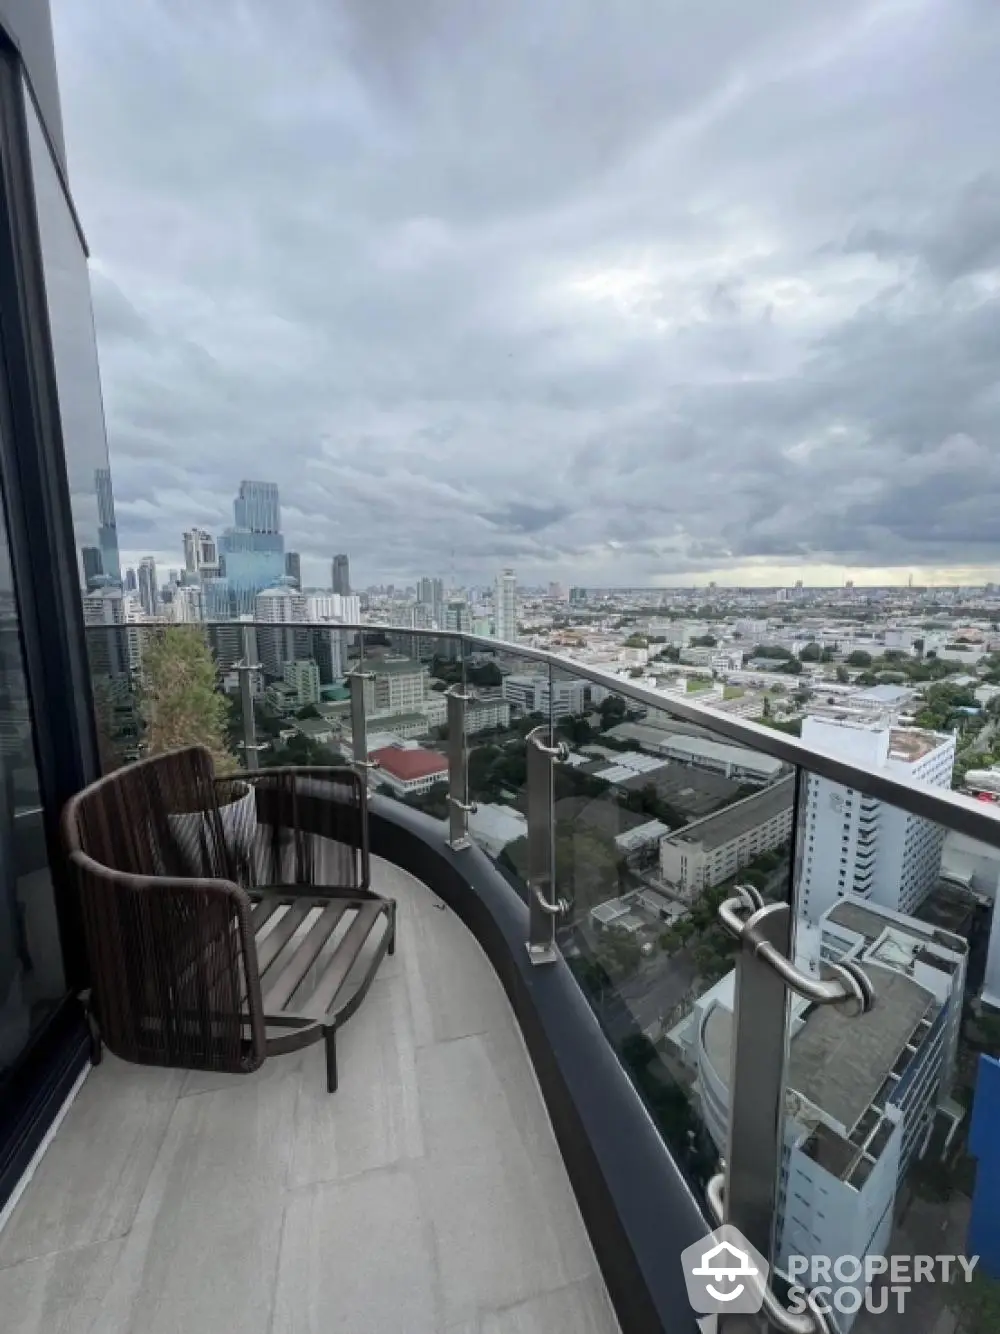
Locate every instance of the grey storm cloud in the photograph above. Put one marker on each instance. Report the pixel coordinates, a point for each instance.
(612, 293)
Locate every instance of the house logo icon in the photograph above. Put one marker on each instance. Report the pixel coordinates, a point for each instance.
(725, 1264)
(723, 1272)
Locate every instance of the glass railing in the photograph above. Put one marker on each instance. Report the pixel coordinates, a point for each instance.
(794, 956)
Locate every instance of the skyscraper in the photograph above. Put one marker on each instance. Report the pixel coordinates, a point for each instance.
(252, 553)
(293, 567)
(200, 550)
(430, 593)
(147, 585)
(131, 582)
(505, 606)
(341, 574)
(93, 565)
(107, 530)
(256, 507)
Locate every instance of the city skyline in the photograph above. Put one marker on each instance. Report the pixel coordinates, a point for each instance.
(538, 355)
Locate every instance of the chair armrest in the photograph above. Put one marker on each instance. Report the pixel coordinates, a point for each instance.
(162, 944)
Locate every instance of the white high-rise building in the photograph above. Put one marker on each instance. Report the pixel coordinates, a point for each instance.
(187, 605)
(858, 845)
(344, 607)
(200, 551)
(283, 603)
(277, 610)
(505, 606)
(398, 686)
(530, 692)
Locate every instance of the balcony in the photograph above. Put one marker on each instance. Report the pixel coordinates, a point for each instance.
(427, 1195)
(573, 824)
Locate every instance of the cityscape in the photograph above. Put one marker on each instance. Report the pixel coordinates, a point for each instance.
(657, 817)
(500, 668)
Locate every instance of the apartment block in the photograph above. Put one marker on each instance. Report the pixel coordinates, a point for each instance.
(399, 686)
(708, 851)
(531, 693)
(859, 845)
(302, 676)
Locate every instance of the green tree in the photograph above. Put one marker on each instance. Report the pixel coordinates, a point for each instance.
(577, 731)
(612, 711)
(299, 749)
(859, 658)
(484, 674)
(843, 675)
(179, 699)
(811, 653)
(704, 641)
(308, 711)
(771, 651)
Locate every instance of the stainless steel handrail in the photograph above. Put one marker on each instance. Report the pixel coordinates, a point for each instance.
(788, 1322)
(849, 988)
(976, 819)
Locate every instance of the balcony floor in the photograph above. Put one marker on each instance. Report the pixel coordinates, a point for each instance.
(426, 1195)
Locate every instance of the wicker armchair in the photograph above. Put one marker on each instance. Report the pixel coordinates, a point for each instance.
(226, 919)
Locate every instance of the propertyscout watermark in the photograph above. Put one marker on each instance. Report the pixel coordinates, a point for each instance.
(725, 1273)
(847, 1283)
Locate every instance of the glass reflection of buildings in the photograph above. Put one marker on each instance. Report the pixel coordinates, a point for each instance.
(101, 562)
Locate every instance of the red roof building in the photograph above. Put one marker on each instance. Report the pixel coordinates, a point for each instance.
(406, 771)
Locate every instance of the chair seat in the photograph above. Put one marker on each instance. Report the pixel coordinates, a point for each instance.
(308, 956)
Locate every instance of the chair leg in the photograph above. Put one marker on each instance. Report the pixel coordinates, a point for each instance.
(96, 1042)
(331, 1059)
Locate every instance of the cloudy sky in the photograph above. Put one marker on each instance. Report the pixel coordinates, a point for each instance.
(646, 292)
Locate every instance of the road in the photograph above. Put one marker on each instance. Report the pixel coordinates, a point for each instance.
(653, 993)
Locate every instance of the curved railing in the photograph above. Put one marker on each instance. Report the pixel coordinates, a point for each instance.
(624, 817)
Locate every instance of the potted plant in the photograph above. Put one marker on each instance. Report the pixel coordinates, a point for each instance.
(181, 706)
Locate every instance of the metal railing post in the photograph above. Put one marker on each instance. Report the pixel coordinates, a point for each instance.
(745, 1195)
(459, 806)
(756, 1096)
(246, 669)
(359, 721)
(543, 907)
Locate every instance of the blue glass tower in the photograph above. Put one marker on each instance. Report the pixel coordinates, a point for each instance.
(252, 552)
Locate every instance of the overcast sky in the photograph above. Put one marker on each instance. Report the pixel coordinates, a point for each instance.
(616, 293)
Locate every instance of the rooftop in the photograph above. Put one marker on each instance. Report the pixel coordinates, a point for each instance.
(314, 727)
(840, 1064)
(406, 764)
(723, 753)
(716, 830)
(426, 1196)
(886, 694)
(859, 919)
(597, 813)
(911, 746)
(694, 792)
(394, 666)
